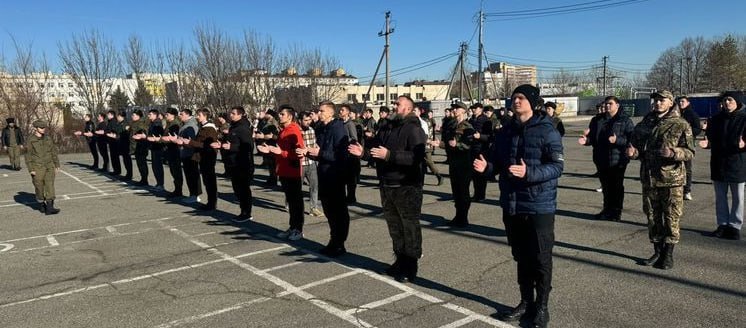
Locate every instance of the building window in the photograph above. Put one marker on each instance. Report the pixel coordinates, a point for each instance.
(407, 94)
(61, 85)
(418, 95)
(69, 85)
(380, 97)
(351, 97)
(70, 94)
(393, 96)
(366, 97)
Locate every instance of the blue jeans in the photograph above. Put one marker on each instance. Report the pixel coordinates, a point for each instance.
(732, 216)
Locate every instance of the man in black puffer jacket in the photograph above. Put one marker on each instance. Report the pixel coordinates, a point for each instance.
(399, 151)
(610, 135)
(239, 151)
(528, 156)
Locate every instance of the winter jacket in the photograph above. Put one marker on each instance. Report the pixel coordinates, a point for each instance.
(240, 155)
(41, 152)
(605, 154)
(155, 129)
(6, 136)
(188, 130)
(538, 144)
(206, 135)
(89, 126)
(483, 125)
(728, 161)
(650, 136)
(405, 141)
(691, 116)
(287, 163)
(332, 140)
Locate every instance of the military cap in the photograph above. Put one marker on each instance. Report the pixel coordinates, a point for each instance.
(662, 94)
(40, 124)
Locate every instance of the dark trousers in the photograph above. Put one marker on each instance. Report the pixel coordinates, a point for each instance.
(402, 207)
(174, 166)
(191, 174)
(293, 189)
(141, 158)
(207, 170)
(94, 152)
(103, 150)
(353, 176)
(156, 158)
(531, 238)
(688, 185)
(480, 186)
(272, 178)
(127, 161)
(116, 166)
(612, 182)
(241, 182)
(460, 181)
(335, 209)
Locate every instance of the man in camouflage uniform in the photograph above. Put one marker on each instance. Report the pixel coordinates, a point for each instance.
(42, 163)
(457, 140)
(663, 141)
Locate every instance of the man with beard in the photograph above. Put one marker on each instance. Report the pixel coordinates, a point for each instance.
(399, 150)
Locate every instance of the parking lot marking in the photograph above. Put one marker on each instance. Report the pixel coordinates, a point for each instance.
(52, 241)
(81, 181)
(379, 303)
(459, 323)
(194, 318)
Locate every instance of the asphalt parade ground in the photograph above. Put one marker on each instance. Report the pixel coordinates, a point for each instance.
(124, 256)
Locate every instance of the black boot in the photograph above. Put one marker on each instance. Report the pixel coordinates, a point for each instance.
(541, 320)
(43, 207)
(50, 208)
(395, 269)
(440, 179)
(653, 259)
(517, 312)
(410, 271)
(666, 260)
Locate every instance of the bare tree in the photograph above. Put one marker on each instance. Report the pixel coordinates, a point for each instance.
(261, 79)
(23, 82)
(219, 62)
(184, 91)
(92, 61)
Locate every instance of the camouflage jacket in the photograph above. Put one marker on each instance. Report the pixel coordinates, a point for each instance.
(41, 153)
(654, 133)
(463, 133)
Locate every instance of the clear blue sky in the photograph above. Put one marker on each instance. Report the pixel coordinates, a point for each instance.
(424, 30)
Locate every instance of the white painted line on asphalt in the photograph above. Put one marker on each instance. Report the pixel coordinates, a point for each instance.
(112, 230)
(52, 241)
(97, 194)
(379, 303)
(5, 175)
(459, 323)
(319, 283)
(194, 318)
(65, 197)
(279, 267)
(81, 181)
(6, 247)
(142, 277)
(279, 282)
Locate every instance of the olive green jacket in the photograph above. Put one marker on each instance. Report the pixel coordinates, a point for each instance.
(654, 133)
(41, 153)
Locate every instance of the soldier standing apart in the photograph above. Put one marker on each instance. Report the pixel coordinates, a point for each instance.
(155, 132)
(399, 149)
(288, 167)
(239, 159)
(691, 117)
(139, 133)
(101, 142)
(331, 155)
(663, 142)
(457, 140)
(309, 165)
(725, 139)
(610, 136)
(13, 143)
(42, 163)
(206, 156)
(172, 152)
(528, 156)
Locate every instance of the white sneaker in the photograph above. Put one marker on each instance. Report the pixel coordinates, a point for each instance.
(285, 234)
(295, 234)
(599, 189)
(688, 196)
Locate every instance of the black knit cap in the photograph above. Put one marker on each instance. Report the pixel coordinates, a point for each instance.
(530, 92)
(10, 120)
(733, 95)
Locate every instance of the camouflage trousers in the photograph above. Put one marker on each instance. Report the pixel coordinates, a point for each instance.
(401, 209)
(14, 155)
(663, 208)
(44, 183)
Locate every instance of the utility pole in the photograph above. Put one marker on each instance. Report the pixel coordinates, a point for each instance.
(681, 75)
(463, 74)
(481, 54)
(688, 74)
(604, 77)
(386, 48)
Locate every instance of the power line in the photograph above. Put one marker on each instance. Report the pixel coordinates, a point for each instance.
(548, 8)
(419, 66)
(446, 56)
(543, 60)
(537, 13)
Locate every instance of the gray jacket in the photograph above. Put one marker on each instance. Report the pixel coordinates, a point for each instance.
(188, 130)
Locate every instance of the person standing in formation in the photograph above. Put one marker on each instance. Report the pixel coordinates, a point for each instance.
(120, 133)
(205, 156)
(309, 169)
(691, 117)
(480, 145)
(139, 133)
(155, 132)
(111, 126)
(101, 142)
(172, 152)
(239, 150)
(88, 128)
(353, 163)
(188, 131)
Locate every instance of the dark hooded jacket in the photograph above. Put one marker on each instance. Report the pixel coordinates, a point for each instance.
(405, 141)
(728, 161)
